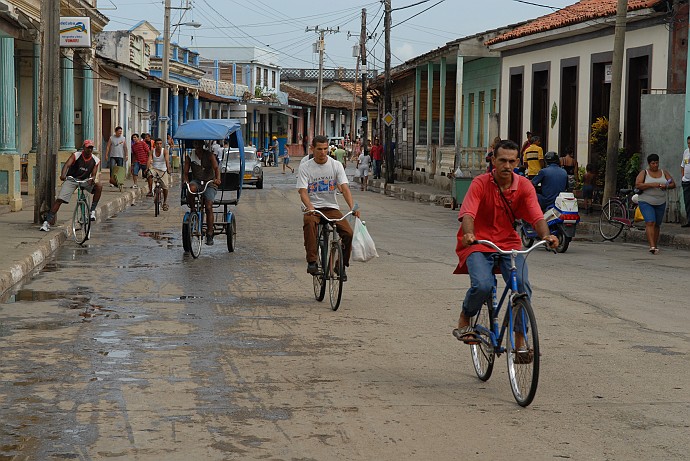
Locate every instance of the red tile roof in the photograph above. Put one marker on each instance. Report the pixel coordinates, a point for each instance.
(584, 10)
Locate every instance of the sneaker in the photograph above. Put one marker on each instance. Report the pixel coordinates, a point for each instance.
(134, 187)
(45, 227)
(93, 215)
(111, 185)
(312, 268)
(209, 240)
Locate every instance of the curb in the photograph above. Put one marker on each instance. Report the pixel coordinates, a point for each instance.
(380, 186)
(16, 273)
(46, 247)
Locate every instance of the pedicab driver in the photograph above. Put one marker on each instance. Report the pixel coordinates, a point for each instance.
(81, 165)
(204, 168)
(494, 202)
(317, 183)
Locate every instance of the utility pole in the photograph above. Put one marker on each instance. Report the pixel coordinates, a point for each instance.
(321, 46)
(164, 116)
(388, 106)
(49, 107)
(365, 76)
(615, 105)
(353, 121)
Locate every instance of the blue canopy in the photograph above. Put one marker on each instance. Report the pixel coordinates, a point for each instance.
(207, 129)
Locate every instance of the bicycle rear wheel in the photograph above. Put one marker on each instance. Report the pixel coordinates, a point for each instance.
(523, 363)
(319, 279)
(483, 354)
(81, 222)
(610, 225)
(336, 267)
(196, 234)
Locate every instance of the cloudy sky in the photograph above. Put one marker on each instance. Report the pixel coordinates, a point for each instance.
(418, 25)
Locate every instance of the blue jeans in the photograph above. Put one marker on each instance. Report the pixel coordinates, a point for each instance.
(377, 169)
(653, 213)
(480, 267)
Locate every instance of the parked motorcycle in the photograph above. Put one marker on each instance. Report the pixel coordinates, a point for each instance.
(562, 220)
(266, 157)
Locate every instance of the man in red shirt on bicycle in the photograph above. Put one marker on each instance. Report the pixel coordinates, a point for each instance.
(490, 211)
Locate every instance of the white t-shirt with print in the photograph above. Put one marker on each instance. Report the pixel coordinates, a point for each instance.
(685, 165)
(321, 181)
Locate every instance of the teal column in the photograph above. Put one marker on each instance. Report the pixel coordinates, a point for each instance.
(67, 105)
(417, 103)
(88, 119)
(37, 89)
(442, 104)
(8, 103)
(429, 103)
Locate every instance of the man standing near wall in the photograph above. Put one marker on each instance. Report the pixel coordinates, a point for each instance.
(685, 181)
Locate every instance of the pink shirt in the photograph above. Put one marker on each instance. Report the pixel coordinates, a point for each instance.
(492, 219)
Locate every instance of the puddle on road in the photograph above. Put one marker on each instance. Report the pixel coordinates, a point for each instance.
(26, 294)
(165, 236)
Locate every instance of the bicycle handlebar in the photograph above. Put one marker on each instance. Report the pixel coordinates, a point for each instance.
(329, 219)
(491, 244)
(78, 181)
(198, 192)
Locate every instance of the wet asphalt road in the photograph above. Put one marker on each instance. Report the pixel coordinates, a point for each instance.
(129, 349)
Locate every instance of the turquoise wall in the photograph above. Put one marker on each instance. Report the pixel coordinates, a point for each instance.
(480, 75)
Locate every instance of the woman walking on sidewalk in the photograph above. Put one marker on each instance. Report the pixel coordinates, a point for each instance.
(653, 184)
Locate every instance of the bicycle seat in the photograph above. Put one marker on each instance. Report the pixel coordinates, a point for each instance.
(625, 191)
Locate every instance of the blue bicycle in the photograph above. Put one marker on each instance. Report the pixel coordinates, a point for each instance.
(519, 329)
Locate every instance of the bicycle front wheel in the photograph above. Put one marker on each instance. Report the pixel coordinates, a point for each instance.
(157, 201)
(196, 234)
(336, 267)
(522, 351)
(81, 222)
(610, 225)
(483, 354)
(319, 279)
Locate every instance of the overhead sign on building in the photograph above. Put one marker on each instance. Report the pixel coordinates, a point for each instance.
(75, 32)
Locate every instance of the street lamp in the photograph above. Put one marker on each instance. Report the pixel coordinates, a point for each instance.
(163, 117)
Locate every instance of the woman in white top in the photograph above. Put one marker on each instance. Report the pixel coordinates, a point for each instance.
(363, 163)
(653, 184)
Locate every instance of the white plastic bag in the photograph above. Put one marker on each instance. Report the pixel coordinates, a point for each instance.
(363, 248)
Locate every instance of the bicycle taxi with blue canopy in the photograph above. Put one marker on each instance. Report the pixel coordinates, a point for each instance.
(229, 191)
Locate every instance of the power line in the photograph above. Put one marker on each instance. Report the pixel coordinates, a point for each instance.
(415, 15)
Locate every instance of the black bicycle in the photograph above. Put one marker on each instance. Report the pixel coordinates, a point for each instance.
(157, 193)
(329, 260)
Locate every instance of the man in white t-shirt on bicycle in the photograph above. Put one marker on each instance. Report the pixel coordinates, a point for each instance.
(317, 183)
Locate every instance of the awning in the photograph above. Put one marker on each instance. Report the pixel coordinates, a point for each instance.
(282, 112)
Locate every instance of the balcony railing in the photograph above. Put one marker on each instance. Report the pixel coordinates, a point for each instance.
(223, 88)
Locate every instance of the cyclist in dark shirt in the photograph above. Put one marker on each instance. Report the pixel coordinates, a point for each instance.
(81, 165)
(203, 166)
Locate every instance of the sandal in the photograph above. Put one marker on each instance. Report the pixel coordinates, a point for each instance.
(653, 250)
(466, 334)
(165, 207)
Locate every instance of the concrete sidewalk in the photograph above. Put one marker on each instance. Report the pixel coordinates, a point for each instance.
(25, 248)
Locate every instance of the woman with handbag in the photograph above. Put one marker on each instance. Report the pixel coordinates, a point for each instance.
(653, 184)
